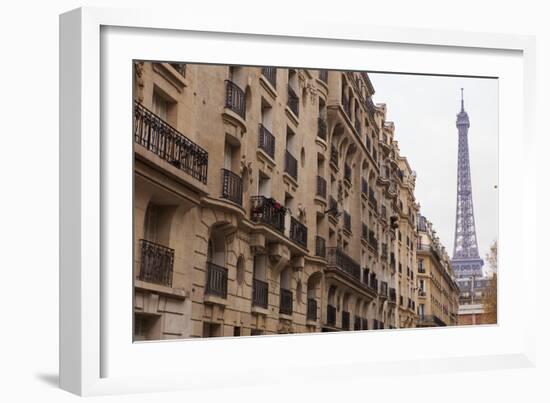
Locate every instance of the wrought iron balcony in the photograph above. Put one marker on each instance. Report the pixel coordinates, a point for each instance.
(293, 101)
(334, 154)
(323, 76)
(320, 247)
(157, 263)
(347, 221)
(153, 133)
(291, 165)
(235, 98)
(356, 322)
(337, 258)
(298, 232)
(267, 211)
(321, 128)
(216, 280)
(285, 305)
(232, 187)
(271, 74)
(331, 315)
(384, 251)
(266, 141)
(347, 172)
(321, 187)
(392, 258)
(259, 293)
(421, 269)
(311, 309)
(364, 186)
(345, 320)
(366, 276)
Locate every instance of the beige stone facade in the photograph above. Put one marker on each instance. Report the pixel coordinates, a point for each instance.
(268, 200)
(438, 291)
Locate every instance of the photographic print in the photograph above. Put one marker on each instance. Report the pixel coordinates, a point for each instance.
(278, 200)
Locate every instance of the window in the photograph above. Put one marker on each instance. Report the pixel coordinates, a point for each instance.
(160, 106)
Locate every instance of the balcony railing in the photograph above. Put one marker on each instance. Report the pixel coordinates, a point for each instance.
(298, 232)
(347, 172)
(259, 293)
(157, 263)
(421, 269)
(285, 305)
(293, 101)
(364, 186)
(267, 211)
(235, 98)
(320, 247)
(266, 141)
(337, 258)
(321, 187)
(216, 280)
(345, 320)
(365, 232)
(291, 165)
(331, 315)
(311, 309)
(232, 187)
(334, 154)
(357, 323)
(347, 221)
(321, 128)
(323, 76)
(153, 133)
(271, 74)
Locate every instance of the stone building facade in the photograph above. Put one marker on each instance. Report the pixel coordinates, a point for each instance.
(438, 291)
(267, 200)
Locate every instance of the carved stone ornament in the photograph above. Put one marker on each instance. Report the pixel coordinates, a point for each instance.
(139, 80)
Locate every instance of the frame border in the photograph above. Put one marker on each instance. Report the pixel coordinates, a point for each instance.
(80, 167)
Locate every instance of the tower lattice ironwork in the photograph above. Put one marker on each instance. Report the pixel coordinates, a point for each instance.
(466, 261)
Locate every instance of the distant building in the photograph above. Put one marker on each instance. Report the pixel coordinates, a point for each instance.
(437, 289)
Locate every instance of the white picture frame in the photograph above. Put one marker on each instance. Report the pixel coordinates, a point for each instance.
(96, 352)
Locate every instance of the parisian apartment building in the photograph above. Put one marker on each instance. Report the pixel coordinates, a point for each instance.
(272, 200)
(438, 290)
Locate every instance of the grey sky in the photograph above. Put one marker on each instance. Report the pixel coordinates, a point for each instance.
(424, 110)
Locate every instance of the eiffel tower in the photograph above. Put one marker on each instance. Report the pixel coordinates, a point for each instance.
(466, 261)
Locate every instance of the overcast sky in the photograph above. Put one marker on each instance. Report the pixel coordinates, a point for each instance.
(424, 110)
